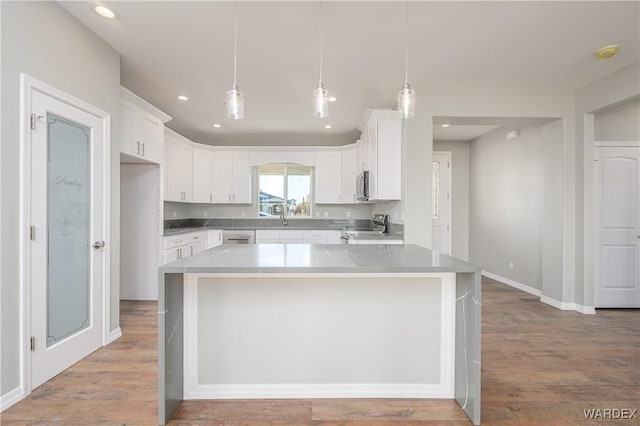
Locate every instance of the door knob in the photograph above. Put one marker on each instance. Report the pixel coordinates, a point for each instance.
(98, 244)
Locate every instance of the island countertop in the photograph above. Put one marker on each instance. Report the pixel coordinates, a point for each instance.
(318, 258)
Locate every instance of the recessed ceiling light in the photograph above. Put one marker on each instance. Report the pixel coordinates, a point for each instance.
(327, 126)
(332, 99)
(183, 98)
(104, 11)
(216, 125)
(607, 51)
(445, 125)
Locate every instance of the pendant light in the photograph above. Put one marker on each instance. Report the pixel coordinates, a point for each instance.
(407, 96)
(320, 94)
(235, 98)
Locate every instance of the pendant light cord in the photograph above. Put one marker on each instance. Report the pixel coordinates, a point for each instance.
(321, 40)
(235, 41)
(406, 59)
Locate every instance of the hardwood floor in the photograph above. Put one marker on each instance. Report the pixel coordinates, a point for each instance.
(541, 366)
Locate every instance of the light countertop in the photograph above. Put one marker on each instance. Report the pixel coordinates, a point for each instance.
(318, 258)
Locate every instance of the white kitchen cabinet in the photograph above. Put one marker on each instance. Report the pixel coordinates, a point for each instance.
(270, 236)
(231, 177)
(328, 182)
(214, 238)
(141, 129)
(178, 168)
(264, 236)
(203, 175)
(315, 237)
(296, 237)
(241, 178)
(383, 149)
(183, 245)
(374, 241)
(348, 174)
(334, 237)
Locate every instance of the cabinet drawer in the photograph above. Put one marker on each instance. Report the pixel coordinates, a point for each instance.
(182, 239)
(292, 235)
(315, 235)
(264, 235)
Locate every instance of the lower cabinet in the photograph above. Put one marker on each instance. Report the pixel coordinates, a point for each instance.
(264, 236)
(184, 245)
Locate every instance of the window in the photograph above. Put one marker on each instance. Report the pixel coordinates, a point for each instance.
(284, 186)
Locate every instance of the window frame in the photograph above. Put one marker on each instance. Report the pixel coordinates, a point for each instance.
(285, 174)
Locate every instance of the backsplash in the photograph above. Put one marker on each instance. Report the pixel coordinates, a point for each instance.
(269, 223)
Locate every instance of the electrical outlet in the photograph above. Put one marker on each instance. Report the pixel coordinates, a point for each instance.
(205, 214)
(317, 214)
(395, 216)
(348, 215)
(511, 264)
(175, 214)
(326, 214)
(242, 213)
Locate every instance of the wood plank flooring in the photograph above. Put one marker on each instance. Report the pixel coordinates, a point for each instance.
(541, 366)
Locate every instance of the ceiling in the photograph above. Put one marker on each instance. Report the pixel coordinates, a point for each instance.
(186, 48)
(466, 129)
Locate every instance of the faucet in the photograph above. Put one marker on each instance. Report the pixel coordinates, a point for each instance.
(282, 216)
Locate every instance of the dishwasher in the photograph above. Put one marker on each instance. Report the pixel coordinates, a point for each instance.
(234, 236)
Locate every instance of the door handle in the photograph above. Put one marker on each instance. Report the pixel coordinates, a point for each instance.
(143, 149)
(98, 244)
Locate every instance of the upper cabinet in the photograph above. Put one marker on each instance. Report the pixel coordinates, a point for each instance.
(141, 129)
(381, 153)
(231, 177)
(335, 176)
(327, 177)
(178, 168)
(203, 175)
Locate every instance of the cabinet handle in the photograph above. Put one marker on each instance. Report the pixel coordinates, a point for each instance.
(354, 198)
(210, 198)
(143, 149)
(229, 197)
(191, 250)
(138, 151)
(234, 198)
(179, 253)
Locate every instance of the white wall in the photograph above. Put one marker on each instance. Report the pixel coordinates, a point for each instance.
(619, 123)
(45, 42)
(459, 195)
(506, 200)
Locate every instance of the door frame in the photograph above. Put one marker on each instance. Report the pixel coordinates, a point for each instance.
(449, 155)
(28, 85)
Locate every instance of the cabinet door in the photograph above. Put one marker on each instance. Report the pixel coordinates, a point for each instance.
(241, 178)
(171, 255)
(333, 237)
(348, 177)
(372, 145)
(185, 172)
(127, 124)
(172, 189)
(389, 170)
(214, 238)
(149, 134)
(327, 177)
(222, 174)
(203, 165)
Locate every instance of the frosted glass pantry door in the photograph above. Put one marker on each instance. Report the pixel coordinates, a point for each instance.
(67, 258)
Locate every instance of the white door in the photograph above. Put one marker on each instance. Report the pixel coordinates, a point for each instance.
(67, 255)
(441, 202)
(617, 257)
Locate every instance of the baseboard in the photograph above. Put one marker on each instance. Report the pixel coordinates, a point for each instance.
(10, 398)
(512, 283)
(566, 306)
(115, 335)
(289, 391)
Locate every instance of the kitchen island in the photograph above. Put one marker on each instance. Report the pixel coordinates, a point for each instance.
(319, 321)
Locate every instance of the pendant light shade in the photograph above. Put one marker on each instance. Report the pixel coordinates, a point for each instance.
(320, 101)
(235, 103)
(235, 98)
(407, 96)
(320, 94)
(407, 101)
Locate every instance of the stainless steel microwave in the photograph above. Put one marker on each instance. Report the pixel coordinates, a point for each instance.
(362, 186)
